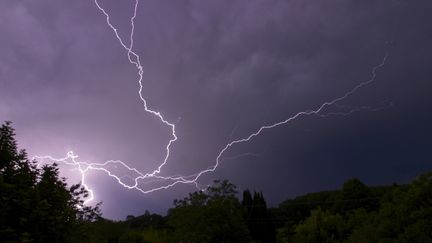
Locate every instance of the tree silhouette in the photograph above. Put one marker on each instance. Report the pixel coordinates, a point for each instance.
(212, 216)
(258, 218)
(36, 205)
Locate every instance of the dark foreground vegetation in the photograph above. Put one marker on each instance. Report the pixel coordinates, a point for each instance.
(37, 206)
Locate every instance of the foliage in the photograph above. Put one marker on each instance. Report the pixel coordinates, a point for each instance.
(145, 228)
(258, 218)
(320, 226)
(212, 216)
(356, 213)
(145, 221)
(403, 214)
(132, 237)
(36, 205)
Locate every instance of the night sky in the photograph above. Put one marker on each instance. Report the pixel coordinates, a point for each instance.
(219, 70)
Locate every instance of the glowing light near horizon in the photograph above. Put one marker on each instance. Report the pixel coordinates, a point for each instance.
(139, 178)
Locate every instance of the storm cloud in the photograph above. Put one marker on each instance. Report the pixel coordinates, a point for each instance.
(219, 70)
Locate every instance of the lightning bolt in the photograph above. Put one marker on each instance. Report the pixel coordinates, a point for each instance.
(139, 178)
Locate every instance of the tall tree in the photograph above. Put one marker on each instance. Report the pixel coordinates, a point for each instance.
(36, 205)
(258, 218)
(211, 216)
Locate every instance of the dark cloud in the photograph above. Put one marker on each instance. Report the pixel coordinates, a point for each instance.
(220, 69)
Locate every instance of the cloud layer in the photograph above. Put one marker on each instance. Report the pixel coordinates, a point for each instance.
(219, 70)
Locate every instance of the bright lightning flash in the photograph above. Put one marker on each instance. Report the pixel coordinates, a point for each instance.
(139, 178)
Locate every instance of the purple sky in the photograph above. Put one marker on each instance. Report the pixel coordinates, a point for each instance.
(219, 70)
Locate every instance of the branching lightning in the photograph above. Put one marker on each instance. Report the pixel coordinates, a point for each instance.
(139, 178)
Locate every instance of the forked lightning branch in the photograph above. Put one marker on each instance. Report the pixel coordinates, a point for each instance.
(169, 181)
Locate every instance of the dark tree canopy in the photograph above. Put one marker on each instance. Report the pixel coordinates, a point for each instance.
(258, 218)
(359, 213)
(212, 216)
(36, 205)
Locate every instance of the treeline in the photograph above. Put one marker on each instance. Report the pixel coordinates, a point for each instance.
(37, 206)
(358, 213)
(213, 215)
(355, 213)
